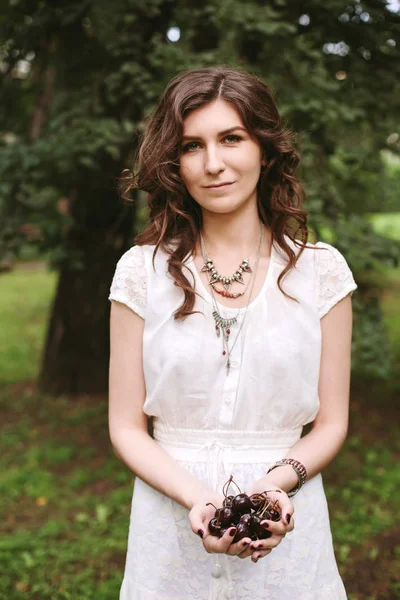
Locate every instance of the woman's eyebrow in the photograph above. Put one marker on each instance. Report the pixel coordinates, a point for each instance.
(225, 132)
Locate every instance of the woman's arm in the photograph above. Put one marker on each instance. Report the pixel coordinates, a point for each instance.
(319, 447)
(127, 421)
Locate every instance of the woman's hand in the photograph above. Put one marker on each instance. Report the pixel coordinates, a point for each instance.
(278, 529)
(200, 516)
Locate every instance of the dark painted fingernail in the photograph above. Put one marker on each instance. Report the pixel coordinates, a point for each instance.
(200, 533)
(265, 525)
(232, 532)
(288, 519)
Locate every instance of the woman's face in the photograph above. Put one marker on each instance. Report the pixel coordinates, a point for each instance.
(217, 149)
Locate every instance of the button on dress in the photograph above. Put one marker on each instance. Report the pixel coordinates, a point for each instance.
(217, 424)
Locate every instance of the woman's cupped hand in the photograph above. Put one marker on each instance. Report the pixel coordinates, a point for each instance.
(278, 529)
(200, 517)
(201, 514)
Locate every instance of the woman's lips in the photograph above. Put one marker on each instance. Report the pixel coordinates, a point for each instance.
(219, 187)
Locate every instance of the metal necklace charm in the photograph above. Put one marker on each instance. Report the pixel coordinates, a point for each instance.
(226, 281)
(222, 323)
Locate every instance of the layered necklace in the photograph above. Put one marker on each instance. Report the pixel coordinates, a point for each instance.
(226, 282)
(223, 325)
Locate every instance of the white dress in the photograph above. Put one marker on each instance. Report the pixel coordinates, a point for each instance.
(216, 425)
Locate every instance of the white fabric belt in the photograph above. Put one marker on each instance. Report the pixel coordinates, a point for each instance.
(197, 445)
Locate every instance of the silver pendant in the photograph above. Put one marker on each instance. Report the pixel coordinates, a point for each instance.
(245, 266)
(213, 279)
(208, 265)
(223, 323)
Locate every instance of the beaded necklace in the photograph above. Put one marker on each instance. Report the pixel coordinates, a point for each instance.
(224, 324)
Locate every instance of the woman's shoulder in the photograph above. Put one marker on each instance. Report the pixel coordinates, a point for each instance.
(134, 255)
(333, 276)
(137, 255)
(148, 260)
(129, 284)
(310, 251)
(303, 256)
(328, 256)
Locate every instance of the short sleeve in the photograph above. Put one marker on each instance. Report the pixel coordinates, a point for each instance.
(129, 282)
(334, 279)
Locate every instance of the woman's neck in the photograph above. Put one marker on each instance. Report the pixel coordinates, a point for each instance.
(226, 234)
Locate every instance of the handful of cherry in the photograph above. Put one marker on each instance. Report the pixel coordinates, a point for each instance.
(245, 513)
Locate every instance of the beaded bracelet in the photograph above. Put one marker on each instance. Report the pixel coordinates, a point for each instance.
(299, 469)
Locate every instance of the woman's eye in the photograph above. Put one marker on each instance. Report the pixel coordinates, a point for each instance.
(232, 138)
(189, 147)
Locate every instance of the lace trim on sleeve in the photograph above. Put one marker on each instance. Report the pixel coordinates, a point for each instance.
(334, 279)
(129, 283)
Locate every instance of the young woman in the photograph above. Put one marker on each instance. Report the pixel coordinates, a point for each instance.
(232, 333)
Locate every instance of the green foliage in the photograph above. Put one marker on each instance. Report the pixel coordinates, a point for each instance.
(378, 481)
(387, 224)
(389, 180)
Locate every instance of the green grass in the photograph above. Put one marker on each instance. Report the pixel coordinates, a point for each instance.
(65, 498)
(25, 297)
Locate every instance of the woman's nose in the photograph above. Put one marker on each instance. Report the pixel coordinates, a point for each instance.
(213, 162)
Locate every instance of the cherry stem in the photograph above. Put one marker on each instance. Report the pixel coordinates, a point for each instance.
(210, 503)
(267, 505)
(227, 484)
(264, 508)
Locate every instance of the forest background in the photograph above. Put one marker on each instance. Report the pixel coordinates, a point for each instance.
(77, 78)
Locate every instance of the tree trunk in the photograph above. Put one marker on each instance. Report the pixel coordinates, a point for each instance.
(44, 77)
(76, 354)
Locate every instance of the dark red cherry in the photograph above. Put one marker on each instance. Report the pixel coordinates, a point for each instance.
(256, 501)
(217, 510)
(236, 517)
(275, 516)
(258, 529)
(214, 526)
(246, 519)
(271, 515)
(264, 534)
(242, 531)
(242, 503)
(226, 515)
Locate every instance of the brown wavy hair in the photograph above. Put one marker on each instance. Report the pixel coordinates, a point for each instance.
(175, 218)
